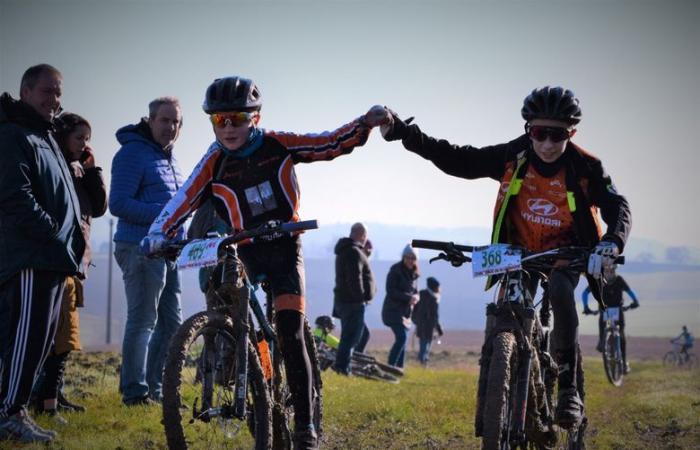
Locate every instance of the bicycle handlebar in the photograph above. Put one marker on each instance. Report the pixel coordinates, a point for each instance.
(271, 229)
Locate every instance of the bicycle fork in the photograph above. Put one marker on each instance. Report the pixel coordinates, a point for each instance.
(231, 278)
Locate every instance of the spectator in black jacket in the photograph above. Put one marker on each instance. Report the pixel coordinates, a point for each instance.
(73, 135)
(425, 316)
(401, 295)
(354, 289)
(41, 243)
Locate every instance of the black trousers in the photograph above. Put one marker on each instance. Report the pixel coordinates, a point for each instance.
(30, 304)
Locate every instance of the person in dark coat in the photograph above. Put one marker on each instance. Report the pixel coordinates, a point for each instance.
(354, 289)
(401, 295)
(41, 243)
(73, 136)
(425, 316)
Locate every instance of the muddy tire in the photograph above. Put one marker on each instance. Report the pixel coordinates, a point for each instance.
(190, 380)
(497, 403)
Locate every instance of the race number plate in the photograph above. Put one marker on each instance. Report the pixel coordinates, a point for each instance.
(611, 313)
(493, 259)
(199, 253)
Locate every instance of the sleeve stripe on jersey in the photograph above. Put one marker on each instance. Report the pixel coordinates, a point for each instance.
(290, 186)
(189, 196)
(230, 199)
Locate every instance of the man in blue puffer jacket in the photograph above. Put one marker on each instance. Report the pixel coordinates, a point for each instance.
(145, 176)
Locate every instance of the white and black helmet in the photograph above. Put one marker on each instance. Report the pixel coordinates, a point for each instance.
(232, 94)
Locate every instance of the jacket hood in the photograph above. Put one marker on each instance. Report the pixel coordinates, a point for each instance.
(139, 132)
(344, 244)
(15, 111)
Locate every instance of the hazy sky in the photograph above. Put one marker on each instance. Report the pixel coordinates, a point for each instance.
(462, 68)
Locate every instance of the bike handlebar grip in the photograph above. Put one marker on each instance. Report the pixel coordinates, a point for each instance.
(300, 226)
(620, 260)
(431, 245)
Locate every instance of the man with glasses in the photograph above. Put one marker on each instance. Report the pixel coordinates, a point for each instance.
(249, 174)
(145, 175)
(549, 196)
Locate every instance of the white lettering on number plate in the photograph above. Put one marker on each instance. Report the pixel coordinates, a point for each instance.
(199, 253)
(493, 259)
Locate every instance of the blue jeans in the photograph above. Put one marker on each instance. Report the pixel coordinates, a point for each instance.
(362, 344)
(352, 324)
(153, 300)
(424, 351)
(398, 350)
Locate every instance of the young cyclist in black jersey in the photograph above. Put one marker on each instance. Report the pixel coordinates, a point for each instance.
(550, 191)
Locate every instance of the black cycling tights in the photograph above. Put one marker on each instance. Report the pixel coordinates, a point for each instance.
(561, 297)
(290, 331)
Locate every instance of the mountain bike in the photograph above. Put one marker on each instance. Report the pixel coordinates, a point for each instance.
(613, 361)
(517, 378)
(361, 365)
(680, 359)
(221, 374)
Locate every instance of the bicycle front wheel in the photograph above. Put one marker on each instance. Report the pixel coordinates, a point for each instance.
(499, 392)
(671, 359)
(199, 381)
(612, 358)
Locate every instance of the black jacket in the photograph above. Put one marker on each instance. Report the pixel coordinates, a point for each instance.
(401, 285)
(39, 208)
(92, 196)
(354, 282)
(425, 315)
(585, 177)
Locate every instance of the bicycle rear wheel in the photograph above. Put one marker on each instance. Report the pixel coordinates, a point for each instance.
(612, 358)
(499, 391)
(283, 408)
(199, 374)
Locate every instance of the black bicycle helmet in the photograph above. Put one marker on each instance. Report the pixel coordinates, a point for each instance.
(232, 94)
(325, 322)
(554, 103)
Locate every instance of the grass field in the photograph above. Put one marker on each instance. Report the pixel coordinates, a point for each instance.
(430, 408)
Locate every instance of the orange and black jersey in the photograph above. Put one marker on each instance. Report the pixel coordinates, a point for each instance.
(262, 186)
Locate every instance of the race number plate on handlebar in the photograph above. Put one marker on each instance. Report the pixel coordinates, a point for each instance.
(199, 253)
(493, 259)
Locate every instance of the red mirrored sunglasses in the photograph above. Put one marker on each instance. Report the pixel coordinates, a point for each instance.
(238, 118)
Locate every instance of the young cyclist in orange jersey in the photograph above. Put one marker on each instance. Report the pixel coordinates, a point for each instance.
(249, 174)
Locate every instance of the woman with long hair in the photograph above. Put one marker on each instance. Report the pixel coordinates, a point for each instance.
(73, 135)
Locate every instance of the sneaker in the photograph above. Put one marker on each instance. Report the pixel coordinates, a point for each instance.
(19, 427)
(306, 439)
(56, 417)
(569, 408)
(66, 405)
(140, 401)
(627, 368)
